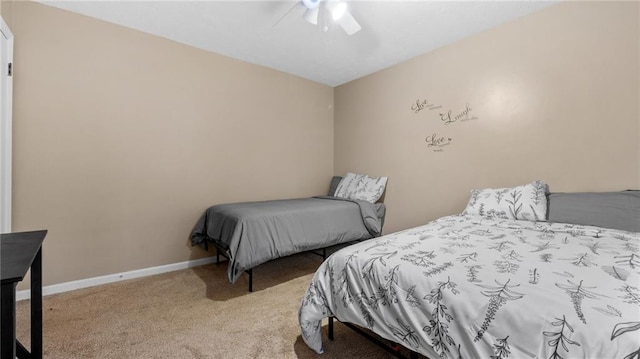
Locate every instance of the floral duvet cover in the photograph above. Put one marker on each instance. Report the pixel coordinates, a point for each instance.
(471, 287)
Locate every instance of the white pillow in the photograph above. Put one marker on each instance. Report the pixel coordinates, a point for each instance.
(362, 187)
(527, 202)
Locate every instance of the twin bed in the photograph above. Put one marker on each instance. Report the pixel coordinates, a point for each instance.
(519, 274)
(252, 233)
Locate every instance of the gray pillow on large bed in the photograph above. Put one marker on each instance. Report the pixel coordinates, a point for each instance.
(335, 181)
(617, 210)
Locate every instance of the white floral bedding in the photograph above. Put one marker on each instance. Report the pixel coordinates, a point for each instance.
(469, 287)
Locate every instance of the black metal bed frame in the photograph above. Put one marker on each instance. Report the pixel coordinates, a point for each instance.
(392, 349)
(222, 252)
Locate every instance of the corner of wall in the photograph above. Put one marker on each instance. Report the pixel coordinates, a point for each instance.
(637, 32)
(333, 131)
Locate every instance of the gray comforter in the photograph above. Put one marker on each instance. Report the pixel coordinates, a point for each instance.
(253, 233)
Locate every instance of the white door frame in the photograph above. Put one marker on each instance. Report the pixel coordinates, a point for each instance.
(6, 101)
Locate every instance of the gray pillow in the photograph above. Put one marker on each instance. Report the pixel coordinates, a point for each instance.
(617, 210)
(335, 181)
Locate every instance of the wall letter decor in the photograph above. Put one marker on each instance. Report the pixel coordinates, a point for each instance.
(420, 105)
(437, 142)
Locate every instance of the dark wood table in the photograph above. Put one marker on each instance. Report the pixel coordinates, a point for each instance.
(19, 252)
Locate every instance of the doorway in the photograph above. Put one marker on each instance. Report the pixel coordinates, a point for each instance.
(6, 100)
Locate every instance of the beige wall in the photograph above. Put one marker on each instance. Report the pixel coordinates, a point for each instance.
(6, 11)
(122, 139)
(555, 95)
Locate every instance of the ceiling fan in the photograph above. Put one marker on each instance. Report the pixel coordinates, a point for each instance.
(320, 11)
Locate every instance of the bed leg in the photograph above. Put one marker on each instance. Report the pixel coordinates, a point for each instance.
(217, 255)
(250, 271)
(330, 328)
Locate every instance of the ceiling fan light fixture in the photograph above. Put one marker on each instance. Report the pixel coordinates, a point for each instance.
(311, 4)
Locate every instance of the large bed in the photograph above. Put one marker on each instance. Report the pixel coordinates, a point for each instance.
(478, 285)
(252, 233)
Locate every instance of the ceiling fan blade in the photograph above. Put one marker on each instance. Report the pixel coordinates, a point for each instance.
(349, 24)
(311, 15)
(285, 14)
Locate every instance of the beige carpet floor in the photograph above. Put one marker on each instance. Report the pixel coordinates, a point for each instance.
(192, 313)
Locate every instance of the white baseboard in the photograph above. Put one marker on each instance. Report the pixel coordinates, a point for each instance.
(117, 277)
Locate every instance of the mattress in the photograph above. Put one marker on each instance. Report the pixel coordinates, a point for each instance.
(472, 287)
(252, 233)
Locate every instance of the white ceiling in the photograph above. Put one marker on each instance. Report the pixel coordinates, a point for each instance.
(392, 31)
